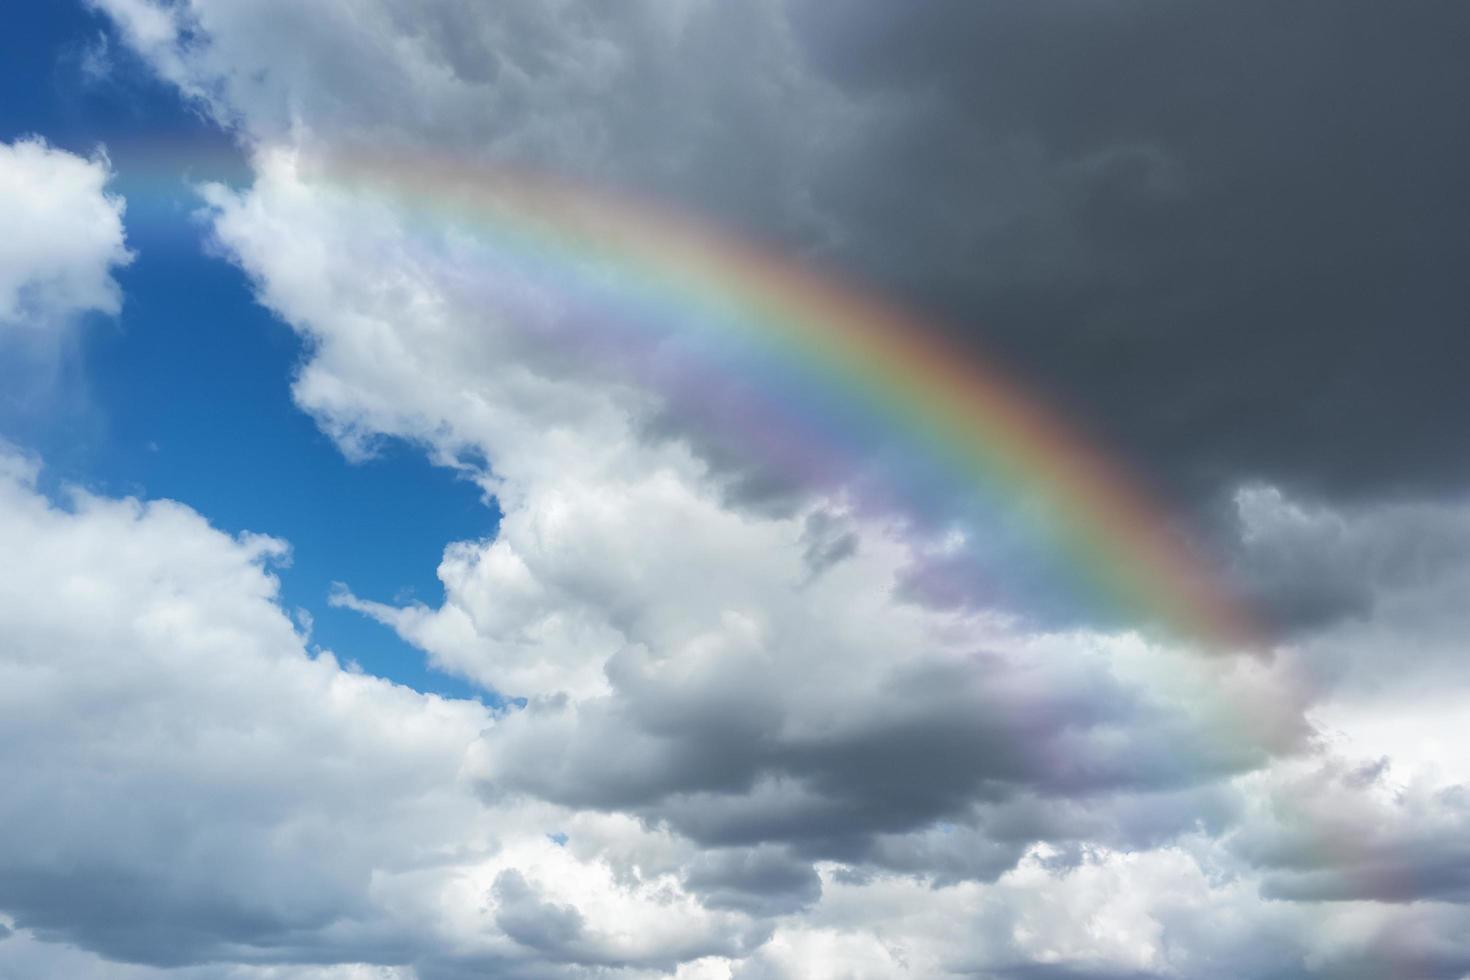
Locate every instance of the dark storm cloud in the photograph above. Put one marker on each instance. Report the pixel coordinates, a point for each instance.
(1231, 233)
(1305, 562)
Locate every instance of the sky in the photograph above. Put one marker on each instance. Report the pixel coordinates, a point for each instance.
(726, 492)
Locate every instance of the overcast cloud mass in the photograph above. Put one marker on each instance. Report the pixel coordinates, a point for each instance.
(733, 718)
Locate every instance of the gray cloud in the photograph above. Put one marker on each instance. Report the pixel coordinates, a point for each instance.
(550, 929)
(828, 540)
(708, 758)
(1305, 563)
(763, 880)
(1046, 971)
(1253, 273)
(1345, 834)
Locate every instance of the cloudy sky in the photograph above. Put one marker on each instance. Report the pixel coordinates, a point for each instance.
(729, 491)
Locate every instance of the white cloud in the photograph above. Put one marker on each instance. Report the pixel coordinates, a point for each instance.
(63, 237)
(739, 755)
(186, 784)
(1171, 912)
(171, 750)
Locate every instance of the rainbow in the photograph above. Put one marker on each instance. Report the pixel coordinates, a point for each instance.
(830, 364)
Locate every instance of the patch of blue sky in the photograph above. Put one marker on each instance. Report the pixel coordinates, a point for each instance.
(186, 395)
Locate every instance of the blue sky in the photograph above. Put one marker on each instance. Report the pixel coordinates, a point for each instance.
(186, 394)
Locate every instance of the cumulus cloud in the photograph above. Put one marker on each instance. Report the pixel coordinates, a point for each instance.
(680, 657)
(200, 789)
(64, 237)
(187, 783)
(683, 666)
(680, 660)
(753, 742)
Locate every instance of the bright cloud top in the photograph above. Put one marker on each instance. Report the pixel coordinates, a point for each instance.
(63, 238)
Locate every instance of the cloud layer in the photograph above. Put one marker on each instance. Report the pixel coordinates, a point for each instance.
(742, 738)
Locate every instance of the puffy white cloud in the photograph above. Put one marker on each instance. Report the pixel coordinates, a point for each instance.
(63, 237)
(746, 750)
(175, 756)
(186, 783)
(1172, 912)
